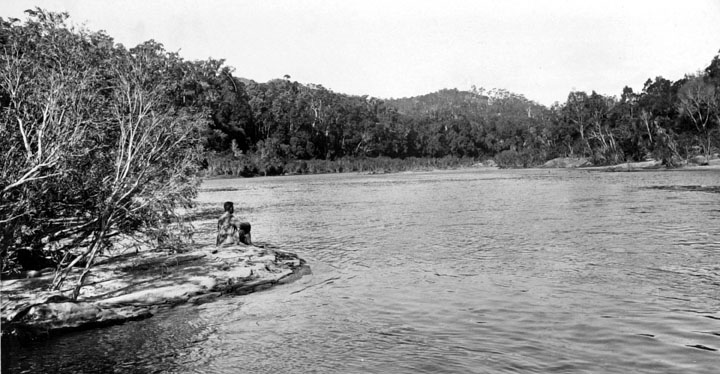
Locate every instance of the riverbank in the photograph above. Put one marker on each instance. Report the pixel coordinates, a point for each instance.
(389, 166)
(136, 285)
(230, 165)
(582, 163)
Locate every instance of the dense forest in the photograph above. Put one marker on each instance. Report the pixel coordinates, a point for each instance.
(279, 122)
(100, 140)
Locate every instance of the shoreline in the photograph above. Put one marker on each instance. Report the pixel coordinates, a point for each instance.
(652, 166)
(136, 285)
(622, 167)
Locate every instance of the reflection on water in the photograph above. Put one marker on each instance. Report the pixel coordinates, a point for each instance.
(464, 271)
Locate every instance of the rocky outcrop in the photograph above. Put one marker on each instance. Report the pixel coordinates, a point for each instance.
(486, 164)
(131, 287)
(567, 162)
(630, 166)
(713, 160)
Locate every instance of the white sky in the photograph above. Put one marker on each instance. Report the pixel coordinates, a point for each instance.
(386, 48)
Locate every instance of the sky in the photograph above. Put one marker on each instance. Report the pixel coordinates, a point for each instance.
(542, 49)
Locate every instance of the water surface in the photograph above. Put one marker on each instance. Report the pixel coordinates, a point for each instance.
(473, 271)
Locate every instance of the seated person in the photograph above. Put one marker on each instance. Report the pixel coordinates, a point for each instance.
(231, 230)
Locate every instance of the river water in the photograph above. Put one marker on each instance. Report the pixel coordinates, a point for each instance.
(472, 271)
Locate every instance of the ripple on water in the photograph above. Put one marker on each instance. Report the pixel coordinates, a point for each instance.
(531, 271)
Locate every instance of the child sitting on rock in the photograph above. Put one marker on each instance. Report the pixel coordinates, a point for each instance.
(231, 230)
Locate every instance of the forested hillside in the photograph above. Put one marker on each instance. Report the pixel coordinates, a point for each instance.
(667, 120)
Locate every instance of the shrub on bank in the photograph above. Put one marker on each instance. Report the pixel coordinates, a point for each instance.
(249, 164)
(513, 159)
(94, 142)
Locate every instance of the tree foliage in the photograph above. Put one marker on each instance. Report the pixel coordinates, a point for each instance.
(96, 143)
(291, 121)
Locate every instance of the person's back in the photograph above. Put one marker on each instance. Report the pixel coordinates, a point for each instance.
(229, 227)
(226, 227)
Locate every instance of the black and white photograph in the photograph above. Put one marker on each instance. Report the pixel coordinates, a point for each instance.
(360, 186)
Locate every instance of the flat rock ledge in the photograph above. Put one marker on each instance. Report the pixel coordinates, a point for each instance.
(632, 166)
(134, 286)
(698, 162)
(567, 162)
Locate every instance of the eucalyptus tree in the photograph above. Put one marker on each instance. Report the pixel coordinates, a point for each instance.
(699, 100)
(603, 129)
(575, 113)
(54, 92)
(96, 143)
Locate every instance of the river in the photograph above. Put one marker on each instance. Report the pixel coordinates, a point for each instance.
(469, 271)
